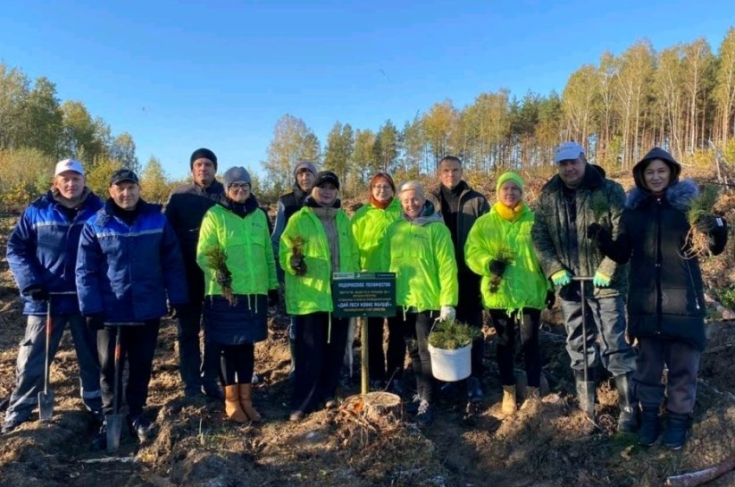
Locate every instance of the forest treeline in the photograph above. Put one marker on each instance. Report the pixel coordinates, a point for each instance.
(681, 98)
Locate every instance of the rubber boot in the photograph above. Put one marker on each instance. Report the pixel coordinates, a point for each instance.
(585, 391)
(627, 420)
(509, 400)
(246, 402)
(233, 409)
(676, 430)
(650, 426)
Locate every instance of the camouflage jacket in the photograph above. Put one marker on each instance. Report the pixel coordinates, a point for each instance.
(597, 200)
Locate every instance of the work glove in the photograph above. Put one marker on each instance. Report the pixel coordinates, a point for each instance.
(447, 313)
(37, 293)
(298, 265)
(561, 278)
(224, 279)
(550, 299)
(497, 267)
(273, 297)
(601, 280)
(95, 322)
(598, 233)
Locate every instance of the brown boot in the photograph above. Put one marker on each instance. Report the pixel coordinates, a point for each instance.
(509, 401)
(232, 405)
(247, 403)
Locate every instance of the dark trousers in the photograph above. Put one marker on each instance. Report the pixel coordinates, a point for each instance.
(416, 329)
(682, 361)
(196, 368)
(238, 362)
(138, 347)
(319, 363)
(529, 327)
(605, 320)
(469, 310)
(396, 349)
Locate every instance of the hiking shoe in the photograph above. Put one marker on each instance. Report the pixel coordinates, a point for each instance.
(676, 430)
(213, 391)
(10, 425)
(474, 390)
(425, 414)
(98, 416)
(650, 427)
(142, 428)
(296, 415)
(331, 403)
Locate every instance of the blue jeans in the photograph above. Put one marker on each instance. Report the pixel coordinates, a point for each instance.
(30, 367)
(605, 334)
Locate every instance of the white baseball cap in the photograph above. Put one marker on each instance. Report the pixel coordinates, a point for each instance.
(69, 165)
(568, 151)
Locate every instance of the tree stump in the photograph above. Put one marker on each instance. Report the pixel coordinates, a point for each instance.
(377, 408)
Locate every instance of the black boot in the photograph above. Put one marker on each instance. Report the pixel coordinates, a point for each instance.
(627, 420)
(676, 430)
(586, 391)
(650, 426)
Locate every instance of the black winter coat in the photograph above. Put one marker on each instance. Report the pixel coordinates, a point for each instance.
(185, 211)
(666, 293)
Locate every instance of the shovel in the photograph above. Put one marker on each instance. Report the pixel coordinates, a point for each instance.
(46, 397)
(587, 388)
(115, 420)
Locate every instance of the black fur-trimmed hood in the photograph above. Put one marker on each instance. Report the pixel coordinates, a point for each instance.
(678, 195)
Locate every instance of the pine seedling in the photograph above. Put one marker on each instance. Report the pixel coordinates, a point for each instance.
(217, 260)
(697, 242)
(452, 335)
(507, 256)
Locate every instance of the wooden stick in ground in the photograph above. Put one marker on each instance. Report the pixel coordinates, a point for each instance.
(364, 371)
(700, 477)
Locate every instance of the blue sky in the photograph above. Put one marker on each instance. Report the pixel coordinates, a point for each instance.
(180, 75)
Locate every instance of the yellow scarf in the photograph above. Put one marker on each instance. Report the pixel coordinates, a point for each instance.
(510, 214)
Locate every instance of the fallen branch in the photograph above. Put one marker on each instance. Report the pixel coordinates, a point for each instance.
(700, 477)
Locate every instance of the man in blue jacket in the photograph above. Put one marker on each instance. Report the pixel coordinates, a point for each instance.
(129, 262)
(42, 251)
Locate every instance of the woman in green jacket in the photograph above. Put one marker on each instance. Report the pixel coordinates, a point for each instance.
(499, 248)
(237, 226)
(316, 243)
(369, 225)
(419, 250)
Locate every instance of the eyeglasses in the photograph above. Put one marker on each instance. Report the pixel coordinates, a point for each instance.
(382, 187)
(240, 185)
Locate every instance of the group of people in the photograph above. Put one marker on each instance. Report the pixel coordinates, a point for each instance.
(213, 257)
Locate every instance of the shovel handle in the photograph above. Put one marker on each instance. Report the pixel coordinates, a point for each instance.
(49, 327)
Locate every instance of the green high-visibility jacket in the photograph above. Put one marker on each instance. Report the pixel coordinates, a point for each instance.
(246, 241)
(312, 292)
(523, 284)
(421, 253)
(369, 225)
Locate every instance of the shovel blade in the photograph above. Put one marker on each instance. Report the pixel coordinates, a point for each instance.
(46, 405)
(586, 396)
(114, 429)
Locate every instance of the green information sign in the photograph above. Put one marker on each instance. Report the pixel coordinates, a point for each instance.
(364, 294)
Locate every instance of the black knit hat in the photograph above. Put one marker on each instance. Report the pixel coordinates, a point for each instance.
(203, 153)
(325, 177)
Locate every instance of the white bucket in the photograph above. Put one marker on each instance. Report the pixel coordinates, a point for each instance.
(451, 365)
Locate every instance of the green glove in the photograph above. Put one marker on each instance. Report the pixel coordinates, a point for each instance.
(561, 278)
(601, 280)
